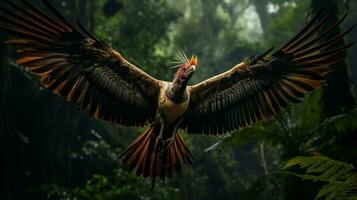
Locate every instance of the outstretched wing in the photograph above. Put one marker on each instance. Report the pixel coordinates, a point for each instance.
(74, 64)
(262, 85)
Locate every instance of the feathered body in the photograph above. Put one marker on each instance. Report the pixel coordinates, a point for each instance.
(162, 148)
(86, 71)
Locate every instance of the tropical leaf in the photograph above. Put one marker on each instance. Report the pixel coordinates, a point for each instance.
(340, 190)
(339, 177)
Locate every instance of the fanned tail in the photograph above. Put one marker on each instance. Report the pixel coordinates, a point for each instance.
(151, 159)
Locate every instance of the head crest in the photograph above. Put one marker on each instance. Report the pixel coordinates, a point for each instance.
(182, 59)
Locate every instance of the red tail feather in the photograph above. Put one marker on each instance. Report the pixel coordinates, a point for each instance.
(152, 160)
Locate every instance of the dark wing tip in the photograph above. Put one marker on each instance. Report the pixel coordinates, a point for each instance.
(266, 53)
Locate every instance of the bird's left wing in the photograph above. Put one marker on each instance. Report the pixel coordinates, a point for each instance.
(74, 64)
(262, 85)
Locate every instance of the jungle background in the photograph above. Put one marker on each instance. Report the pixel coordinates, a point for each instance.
(49, 150)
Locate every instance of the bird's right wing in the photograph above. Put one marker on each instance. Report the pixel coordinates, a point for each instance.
(261, 86)
(74, 64)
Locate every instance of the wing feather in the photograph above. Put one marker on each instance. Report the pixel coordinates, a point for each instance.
(73, 63)
(261, 86)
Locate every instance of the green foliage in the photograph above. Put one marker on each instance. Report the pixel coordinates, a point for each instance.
(281, 2)
(339, 178)
(287, 22)
(137, 31)
(120, 185)
(340, 123)
(290, 129)
(320, 168)
(63, 149)
(124, 185)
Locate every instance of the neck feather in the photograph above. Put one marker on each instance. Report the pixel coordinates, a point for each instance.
(177, 91)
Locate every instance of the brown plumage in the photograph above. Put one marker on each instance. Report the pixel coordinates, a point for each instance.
(86, 71)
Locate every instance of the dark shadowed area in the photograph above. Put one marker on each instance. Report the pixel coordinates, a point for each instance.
(51, 151)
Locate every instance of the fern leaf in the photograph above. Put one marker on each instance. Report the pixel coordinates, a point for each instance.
(339, 190)
(326, 168)
(340, 178)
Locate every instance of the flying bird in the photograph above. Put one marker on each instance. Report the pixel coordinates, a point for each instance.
(99, 80)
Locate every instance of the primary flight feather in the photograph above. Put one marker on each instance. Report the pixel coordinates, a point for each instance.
(86, 71)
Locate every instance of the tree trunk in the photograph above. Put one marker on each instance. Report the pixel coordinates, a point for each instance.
(82, 10)
(338, 95)
(261, 6)
(91, 17)
(4, 88)
(266, 169)
(5, 133)
(353, 51)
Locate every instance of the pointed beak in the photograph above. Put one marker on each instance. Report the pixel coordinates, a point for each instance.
(191, 70)
(194, 61)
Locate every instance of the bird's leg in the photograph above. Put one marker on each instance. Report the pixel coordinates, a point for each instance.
(169, 141)
(159, 138)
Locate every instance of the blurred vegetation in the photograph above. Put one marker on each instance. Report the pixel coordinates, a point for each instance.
(48, 150)
(119, 185)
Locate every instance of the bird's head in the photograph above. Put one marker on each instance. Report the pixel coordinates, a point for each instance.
(186, 69)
